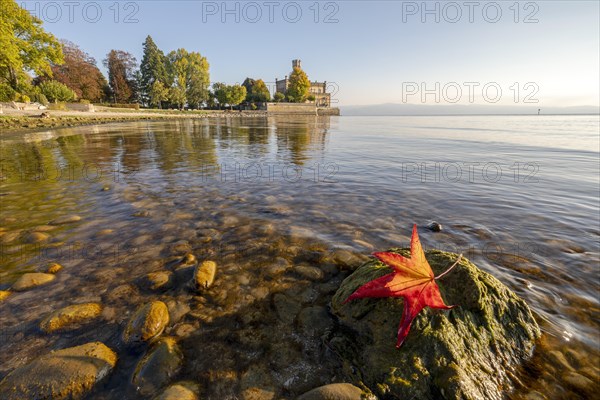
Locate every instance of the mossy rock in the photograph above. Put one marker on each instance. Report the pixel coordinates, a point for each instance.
(64, 374)
(468, 352)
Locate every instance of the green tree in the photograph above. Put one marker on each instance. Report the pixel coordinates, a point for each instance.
(158, 93)
(177, 96)
(121, 67)
(235, 95)
(153, 68)
(220, 93)
(26, 47)
(256, 91)
(190, 74)
(56, 91)
(298, 86)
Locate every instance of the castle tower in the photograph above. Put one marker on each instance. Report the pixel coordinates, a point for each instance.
(296, 63)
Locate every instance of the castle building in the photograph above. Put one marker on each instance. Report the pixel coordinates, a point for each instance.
(317, 89)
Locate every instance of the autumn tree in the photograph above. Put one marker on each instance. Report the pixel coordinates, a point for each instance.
(256, 91)
(121, 67)
(80, 73)
(298, 86)
(153, 68)
(25, 46)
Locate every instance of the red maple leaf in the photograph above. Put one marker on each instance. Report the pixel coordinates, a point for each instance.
(412, 279)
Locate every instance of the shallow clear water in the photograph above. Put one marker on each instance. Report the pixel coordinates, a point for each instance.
(517, 195)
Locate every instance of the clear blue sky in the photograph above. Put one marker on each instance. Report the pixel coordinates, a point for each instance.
(374, 50)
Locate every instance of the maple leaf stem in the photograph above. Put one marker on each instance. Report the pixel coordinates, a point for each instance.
(451, 267)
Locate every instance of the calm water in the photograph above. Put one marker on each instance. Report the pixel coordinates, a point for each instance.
(517, 195)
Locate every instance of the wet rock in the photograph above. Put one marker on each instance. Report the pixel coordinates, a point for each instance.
(141, 214)
(204, 275)
(180, 247)
(177, 310)
(159, 280)
(344, 259)
(32, 279)
(36, 237)
(257, 384)
(64, 374)
(279, 266)
(9, 237)
(434, 226)
(70, 316)
(147, 323)
(463, 353)
(334, 391)
(43, 228)
(314, 321)
(310, 273)
(180, 391)
(160, 364)
(53, 268)
(286, 308)
(67, 219)
(4, 294)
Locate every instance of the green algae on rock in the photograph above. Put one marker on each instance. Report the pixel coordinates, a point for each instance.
(64, 374)
(158, 366)
(147, 323)
(70, 316)
(468, 352)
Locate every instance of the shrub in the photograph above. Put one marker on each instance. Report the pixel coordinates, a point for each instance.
(58, 106)
(7, 93)
(39, 98)
(22, 98)
(278, 97)
(134, 106)
(56, 91)
(84, 101)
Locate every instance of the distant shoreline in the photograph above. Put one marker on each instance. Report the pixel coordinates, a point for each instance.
(16, 121)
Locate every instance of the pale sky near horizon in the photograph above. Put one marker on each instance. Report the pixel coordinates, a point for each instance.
(371, 51)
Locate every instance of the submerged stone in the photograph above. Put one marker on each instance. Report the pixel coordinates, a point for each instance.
(468, 352)
(180, 391)
(70, 316)
(4, 294)
(67, 219)
(147, 323)
(64, 374)
(334, 391)
(53, 268)
(162, 362)
(32, 279)
(204, 275)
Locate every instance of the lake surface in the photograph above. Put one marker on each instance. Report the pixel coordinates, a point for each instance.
(517, 195)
